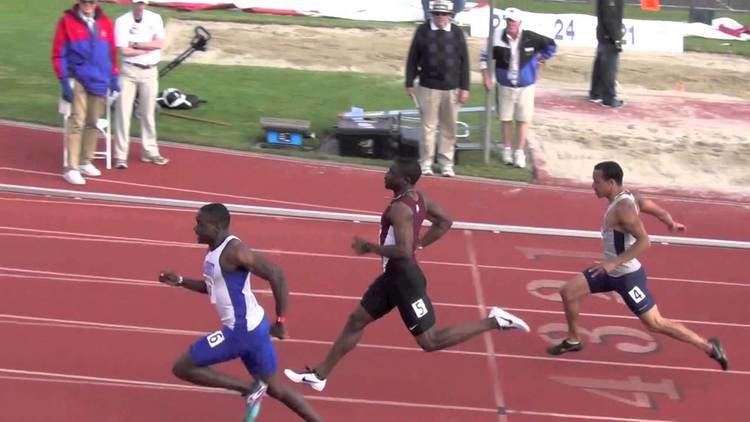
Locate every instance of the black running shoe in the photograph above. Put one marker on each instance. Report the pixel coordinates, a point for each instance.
(718, 354)
(564, 347)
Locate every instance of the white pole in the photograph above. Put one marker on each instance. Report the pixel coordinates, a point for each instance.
(487, 138)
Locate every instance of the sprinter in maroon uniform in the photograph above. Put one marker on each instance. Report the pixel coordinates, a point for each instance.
(402, 284)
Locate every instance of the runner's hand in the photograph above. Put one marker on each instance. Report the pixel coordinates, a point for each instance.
(170, 278)
(278, 330)
(602, 268)
(360, 246)
(677, 227)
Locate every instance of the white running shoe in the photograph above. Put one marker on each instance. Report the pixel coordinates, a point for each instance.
(507, 155)
(308, 377)
(520, 158)
(89, 170)
(74, 177)
(507, 320)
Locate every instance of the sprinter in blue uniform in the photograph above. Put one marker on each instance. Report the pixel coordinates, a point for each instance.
(245, 333)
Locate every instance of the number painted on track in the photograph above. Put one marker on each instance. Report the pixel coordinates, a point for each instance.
(555, 332)
(642, 392)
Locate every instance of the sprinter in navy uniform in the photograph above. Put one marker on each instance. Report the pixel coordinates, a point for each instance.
(402, 284)
(623, 239)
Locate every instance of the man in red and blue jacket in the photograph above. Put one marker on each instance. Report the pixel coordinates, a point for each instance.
(85, 61)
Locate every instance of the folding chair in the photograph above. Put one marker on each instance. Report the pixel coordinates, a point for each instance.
(104, 126)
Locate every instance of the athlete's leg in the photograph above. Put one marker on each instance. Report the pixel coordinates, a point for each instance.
(571, 293)
(655, 322)
(434, 339)
(580, 286)
(418, 314)
(290, 398)
(634, 290)
(260, 360)
(375, 304)
(346, 341)
(186, 369)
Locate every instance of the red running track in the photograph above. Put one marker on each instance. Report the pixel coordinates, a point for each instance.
(83, 292)
(95, 324)
(33, 157)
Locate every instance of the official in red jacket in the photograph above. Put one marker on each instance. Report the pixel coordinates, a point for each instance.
(85, 61)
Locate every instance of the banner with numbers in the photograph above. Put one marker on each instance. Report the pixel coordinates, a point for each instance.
(576, 30)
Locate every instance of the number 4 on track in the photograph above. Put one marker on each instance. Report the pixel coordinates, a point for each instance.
(632, 391)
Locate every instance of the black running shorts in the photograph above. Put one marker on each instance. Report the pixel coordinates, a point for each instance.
(402, 285)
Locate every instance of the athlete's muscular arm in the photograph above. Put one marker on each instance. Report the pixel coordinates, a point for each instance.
(402, 221)
(240, 256)
(650, 207)
(172, 279)
(441, 223)
(628, 220)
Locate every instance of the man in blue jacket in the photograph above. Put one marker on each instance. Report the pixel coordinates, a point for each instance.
(518, 54)
(84, 58)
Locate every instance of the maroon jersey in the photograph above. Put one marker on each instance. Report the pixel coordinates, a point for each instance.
(418, 209)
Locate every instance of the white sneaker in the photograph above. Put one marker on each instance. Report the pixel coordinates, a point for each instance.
(507, 320)
(507, 155)
(74, 177)
(448, 172)
(156, 159)
(308, 377)
(519, 158)
(89, 170)
(427, 172)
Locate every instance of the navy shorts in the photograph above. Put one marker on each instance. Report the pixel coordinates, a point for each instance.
(632, 287)
(254, 348)
(402, 286)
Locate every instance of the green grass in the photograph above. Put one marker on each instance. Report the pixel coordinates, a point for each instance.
(237, 95)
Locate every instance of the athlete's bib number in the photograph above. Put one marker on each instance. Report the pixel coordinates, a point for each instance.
(419, 308)
(637, 294)
(215, 339)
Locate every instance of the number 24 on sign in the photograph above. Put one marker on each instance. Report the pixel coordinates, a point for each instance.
(561, 31)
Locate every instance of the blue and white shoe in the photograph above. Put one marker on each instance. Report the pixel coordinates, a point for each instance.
(253, 400)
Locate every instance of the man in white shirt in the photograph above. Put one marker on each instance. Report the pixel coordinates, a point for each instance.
(518, 53)
(139, 36)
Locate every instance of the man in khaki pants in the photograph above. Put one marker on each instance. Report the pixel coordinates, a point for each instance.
(85, 61)
(439, 56)
(140, 38)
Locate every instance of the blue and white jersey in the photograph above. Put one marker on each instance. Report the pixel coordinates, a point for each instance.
(616, 242)
(230, 292)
